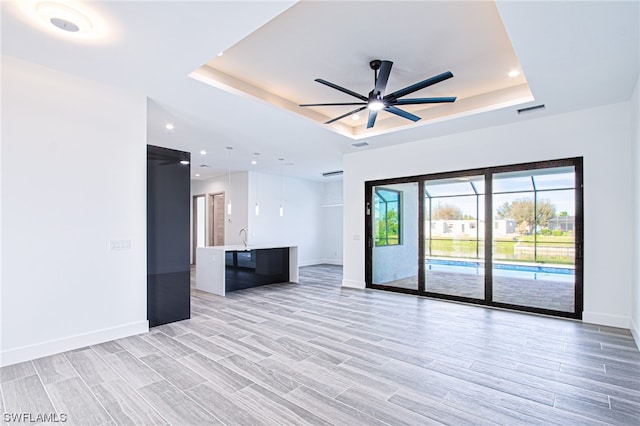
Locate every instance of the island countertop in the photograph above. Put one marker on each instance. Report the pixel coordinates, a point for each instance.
(242, 247)
(212, 267)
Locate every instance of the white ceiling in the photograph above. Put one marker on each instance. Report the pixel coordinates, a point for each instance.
(430, 32)
(574, 55)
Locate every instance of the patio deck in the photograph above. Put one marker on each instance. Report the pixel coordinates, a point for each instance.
(537, 293)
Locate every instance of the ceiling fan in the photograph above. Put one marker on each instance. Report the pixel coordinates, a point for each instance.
(377, 100)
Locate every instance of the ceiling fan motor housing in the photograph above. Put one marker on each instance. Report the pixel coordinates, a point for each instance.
(378, 100)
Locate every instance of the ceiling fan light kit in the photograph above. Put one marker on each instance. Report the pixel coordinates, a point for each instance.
(378, 101)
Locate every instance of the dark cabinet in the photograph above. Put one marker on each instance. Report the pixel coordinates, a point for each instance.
(168, 225)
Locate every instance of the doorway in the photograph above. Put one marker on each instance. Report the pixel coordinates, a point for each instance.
(208, 221)
(507, 236)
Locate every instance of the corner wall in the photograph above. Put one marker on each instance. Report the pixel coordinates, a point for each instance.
(73, 179)
(304, 218)
(601, 135)
(302, 222)
(635, 290)
(239, 199)
(332, 207)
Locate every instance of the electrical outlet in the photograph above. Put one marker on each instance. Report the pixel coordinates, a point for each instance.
(120, 244)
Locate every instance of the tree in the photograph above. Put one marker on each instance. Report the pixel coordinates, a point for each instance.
(387, 229)
(522, 212)
(504, 211)
(446, 212)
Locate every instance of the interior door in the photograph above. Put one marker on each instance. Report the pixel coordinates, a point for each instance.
(216, 219)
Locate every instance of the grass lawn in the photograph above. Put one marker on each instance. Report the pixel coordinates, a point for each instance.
(504, 248)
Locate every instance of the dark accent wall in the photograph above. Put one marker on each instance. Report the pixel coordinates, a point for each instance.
(168, 239)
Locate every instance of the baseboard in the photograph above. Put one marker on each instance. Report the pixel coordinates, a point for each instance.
(319, 262)
(310, 262)
(353, 284)
(635, 332)
(51, 347)
(606, 319)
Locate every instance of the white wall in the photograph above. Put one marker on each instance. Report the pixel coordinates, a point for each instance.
(635, 130)
(332, 222)
(302, 222)
(312, 213)
(73, 178)
(239, 202)
(601, 135)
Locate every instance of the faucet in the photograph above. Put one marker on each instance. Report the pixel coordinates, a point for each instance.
(244, 238)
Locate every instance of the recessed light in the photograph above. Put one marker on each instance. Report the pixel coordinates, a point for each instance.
(65, 25)
(203, 152)
(254, 162)
(221, 53)
(513, 73)
(169, 126)
(64, 17)
(197, 174)
(184, 162)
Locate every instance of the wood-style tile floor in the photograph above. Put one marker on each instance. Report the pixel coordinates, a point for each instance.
(313, 353)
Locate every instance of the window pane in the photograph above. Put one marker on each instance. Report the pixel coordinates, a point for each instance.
(387, 217)
(454, 235)
(516, 183)
(555, 181)
(533, 242)
(448, 187)
(395, 222)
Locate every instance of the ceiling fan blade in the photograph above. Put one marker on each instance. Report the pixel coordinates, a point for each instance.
(372, 118)
(424, 101)
(401, 113)
(415, 87)
(342, 89)
(345, 115)
(334, 104)
(383, 77)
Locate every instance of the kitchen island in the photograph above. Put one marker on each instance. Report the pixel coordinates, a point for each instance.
(222, 269)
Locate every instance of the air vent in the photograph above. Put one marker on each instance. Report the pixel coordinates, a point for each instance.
(329, 174)
(531, 109)
(359, 144)
(204, 165)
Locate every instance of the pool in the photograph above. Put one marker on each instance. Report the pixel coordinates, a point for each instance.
(532, 272)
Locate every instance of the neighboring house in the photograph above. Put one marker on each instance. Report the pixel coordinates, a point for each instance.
(471, 227)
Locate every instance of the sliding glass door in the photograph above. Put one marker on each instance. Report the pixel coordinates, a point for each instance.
(454, 236)
(394, 242)
(508, 236)
(534, 213)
